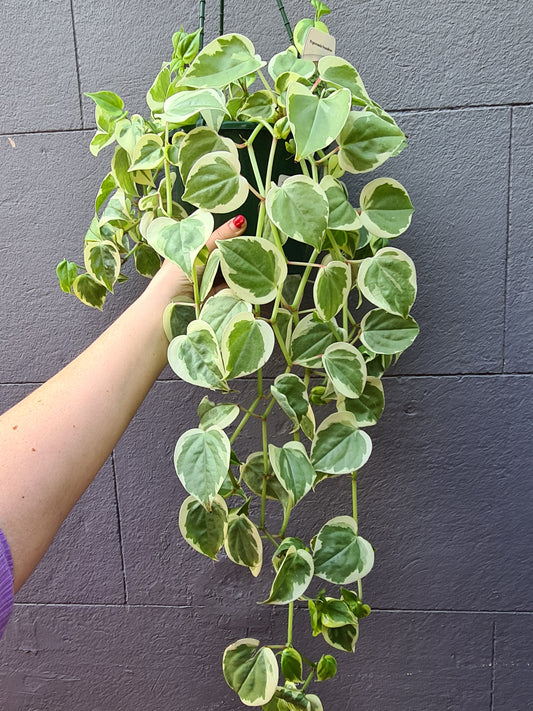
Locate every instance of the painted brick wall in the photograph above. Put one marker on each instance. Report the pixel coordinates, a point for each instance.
(110, 620)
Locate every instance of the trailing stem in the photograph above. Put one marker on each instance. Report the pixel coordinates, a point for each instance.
(354, 514)
(289, 624)
(168, 181)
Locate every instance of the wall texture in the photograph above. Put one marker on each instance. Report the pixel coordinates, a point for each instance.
(110, 620)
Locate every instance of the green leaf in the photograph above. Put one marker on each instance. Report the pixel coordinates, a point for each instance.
(181, 107)
(215, 183)
(368, 408)
(177, 317)
(201, 459)
(292, 578)
(386, 208)
(388, 280)
(220, 308)
(339, 446)
(331, 288)
(243, 543)
(367, 141)
(223, 61)
(291, 665)
(326, 668)
(293, 469)
(290, 392)
(147, 261)
(66, 273)
(180, 242)
(209, 274)
(343, 638)
(336, 613)
(247, 344)
(340, 73)
(102, 261)
(108, 186)
(310, 339)
(288, 61)
(253, 472)
(199, 142)
(321, 9)
(346, 368)
(100, 140)
(219, 416)
(252, 672)
(195, 357)
(127, 133)
(340, 555)
(204, 530)
(259, 106)
(252, 267)
(302, 28)
(386, 333)
(342, 216)
(315, 121)
(157, 93)
(111, 104)
(89, 291)
(148, 153)
(299, 208)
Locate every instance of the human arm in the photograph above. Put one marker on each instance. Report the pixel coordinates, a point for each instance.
(54, 442)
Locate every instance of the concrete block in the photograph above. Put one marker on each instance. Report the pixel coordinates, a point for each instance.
(519, 314)
(38, 66)
(513, 680)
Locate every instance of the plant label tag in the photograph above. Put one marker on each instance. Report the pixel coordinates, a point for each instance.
(318, 44)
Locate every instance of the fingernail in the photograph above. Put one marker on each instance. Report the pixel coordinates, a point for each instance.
(239, 221)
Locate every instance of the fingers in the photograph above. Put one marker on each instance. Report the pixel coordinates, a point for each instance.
(232, 228)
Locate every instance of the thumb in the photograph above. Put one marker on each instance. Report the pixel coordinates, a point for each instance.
(232, 228)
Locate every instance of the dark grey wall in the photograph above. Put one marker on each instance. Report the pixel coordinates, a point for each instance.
(111, 620)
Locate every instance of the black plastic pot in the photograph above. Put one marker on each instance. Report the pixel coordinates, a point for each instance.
(284, 164)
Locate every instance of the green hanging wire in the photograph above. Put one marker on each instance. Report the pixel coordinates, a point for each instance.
(285, 19)
(221, 18)
(202, 23)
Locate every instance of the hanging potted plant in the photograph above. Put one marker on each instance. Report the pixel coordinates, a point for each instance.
(305, 123)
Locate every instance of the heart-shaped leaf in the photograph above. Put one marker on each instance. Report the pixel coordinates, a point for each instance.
(386, 333)
(180, 242)
(386, 208)
(226, 59)
(201, 459)
(340, 555)
(346, 368)
(292, 578)
(215, 183)
(202, 529)
(252, 672)
(195, 357)
(182, 106)
(311, 338)
(247, 344)
(331, 288)
(220, 308)
(340, 73)
(293, 469)
(388, 280)
(243, 543)
(340, 447)
(367, 141)
(368, 407)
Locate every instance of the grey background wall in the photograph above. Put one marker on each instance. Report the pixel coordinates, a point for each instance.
(109, 619)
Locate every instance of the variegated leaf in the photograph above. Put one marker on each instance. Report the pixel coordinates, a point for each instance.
(300, 209)
(288, 61)
(209, 275)
(292, 578)
(204, 530)
(252, 267)
(182, 106)
(148, 153)
(382, 332)
(220, 308)
(195, 357)
(199, 142)
(315, 121)
(343, 638)
(220, 416)
(243, 543)
(342, 216)
(290, 392)
(226, 59)
(247, 344)
(201, 459)
(340, 447)
(252, 672)
(177, 317)
(388, 280)
(180, 242)
(293, 469)
(331, 288)
(253, 473)
(346, 368)
(368, 407)
(311, 338)
(215, 183)
(386, 208)
(102, 261)
(367, 141)
(340, 73)
(340, 555)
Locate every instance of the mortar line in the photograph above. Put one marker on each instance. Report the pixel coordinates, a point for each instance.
(493, 666)
(119, 525)
(76, 57)
(508, 237)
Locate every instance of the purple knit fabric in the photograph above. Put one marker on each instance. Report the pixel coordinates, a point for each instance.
(6, 583)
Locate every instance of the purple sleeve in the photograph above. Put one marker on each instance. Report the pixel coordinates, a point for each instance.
(6, 583)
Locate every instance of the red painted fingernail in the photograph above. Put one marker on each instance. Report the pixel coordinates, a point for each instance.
(239, 221)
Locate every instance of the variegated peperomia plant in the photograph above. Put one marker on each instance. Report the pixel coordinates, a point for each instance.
(170, 175)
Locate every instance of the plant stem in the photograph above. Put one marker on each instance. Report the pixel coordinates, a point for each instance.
(263, 80)
(354, 514)
(255, 167)
(308, 680)
(305, 277)
(281, 344)
(168, 182)
(265, 472)
(287, 513)
(245, 419)
(269, 536)
(289, 624)
(196, 290)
